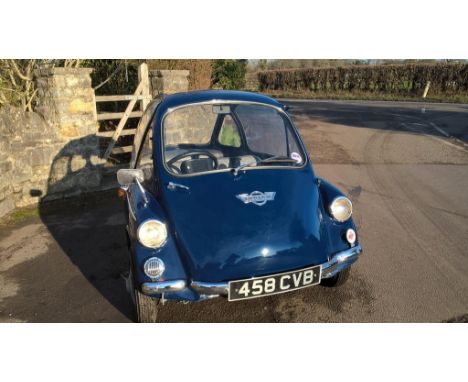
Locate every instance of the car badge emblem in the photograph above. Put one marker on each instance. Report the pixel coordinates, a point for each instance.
(257, 197)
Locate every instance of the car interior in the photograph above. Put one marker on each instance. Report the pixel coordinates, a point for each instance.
(227, 149)
(222, 141)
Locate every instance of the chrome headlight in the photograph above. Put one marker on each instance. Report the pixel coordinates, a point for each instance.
(152, 234)
(341, 208)
(154, 267)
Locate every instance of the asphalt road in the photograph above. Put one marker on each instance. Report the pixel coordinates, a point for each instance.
(405, 167)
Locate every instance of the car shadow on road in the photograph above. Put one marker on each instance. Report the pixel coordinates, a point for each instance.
(90, 231)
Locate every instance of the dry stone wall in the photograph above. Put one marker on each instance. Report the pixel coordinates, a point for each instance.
(53, 152)
(169, 81)
(27, 147)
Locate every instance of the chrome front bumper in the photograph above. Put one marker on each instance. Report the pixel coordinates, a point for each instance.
(159, 287)
(337, 263)
(340, 261)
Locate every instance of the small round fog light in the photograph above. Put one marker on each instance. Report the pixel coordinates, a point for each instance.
(154, 267)
(351, 236)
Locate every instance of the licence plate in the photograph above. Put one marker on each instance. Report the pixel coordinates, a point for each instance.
(274, 284)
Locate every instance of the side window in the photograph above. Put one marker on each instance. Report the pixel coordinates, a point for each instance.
(145, 157)
(229, 134)
(141, 129)
(293, 146)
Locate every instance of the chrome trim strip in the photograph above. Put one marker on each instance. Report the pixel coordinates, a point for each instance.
(163, 286)
(142, 190)
(130, 209)
(337, 263)
(222, 102)
(200, 287)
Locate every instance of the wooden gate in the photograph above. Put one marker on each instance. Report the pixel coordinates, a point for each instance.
(143, 95)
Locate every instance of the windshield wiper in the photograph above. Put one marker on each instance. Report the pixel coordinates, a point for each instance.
(273, 159)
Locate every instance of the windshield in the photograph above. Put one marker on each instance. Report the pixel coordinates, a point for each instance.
(209, 137)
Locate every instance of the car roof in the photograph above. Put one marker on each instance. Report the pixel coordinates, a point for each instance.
(179, 99)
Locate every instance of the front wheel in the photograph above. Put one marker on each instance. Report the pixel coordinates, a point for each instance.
(337, 280)
(146, 307)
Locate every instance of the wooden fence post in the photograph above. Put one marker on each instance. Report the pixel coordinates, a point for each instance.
(123, 121)
(426, 89)
(143, 77)
(143, 95)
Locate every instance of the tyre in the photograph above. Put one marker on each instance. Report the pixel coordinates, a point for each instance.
(337, 280)
(146, 307)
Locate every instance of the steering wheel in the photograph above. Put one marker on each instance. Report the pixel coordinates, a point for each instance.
(192, 154)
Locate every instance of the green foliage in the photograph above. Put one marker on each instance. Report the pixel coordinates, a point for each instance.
(229, 74)
(304, 63)
(19, 215)
(124, 75)
(125, 79)
(229, 136)
(262, 64)
(407, 79)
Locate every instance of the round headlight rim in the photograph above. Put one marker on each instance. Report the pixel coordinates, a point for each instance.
(148, 221)
(162, 266)
(341, 197)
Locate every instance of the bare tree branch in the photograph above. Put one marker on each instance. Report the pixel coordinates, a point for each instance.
(108, 78)
(18, 72)
(29, 104)
(12, 77)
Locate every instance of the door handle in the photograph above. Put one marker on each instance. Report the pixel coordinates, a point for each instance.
(173, 186)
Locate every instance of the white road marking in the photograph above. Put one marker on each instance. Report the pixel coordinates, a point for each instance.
(433, 137)
(439, 129)
(442, 131)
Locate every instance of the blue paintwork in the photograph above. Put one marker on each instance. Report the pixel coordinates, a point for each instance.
(213, 236)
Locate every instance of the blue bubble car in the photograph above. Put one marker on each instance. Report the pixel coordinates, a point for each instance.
(222, 201)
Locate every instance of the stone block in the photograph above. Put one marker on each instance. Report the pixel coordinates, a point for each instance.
(41, 156)
(5, 166)
(59, 82)
(7, 205)
(75, 81)
(16, 145)
(21, 172)
(169, 81)
(4, 146)
(71, 130)
(79, 106)
(5, 183)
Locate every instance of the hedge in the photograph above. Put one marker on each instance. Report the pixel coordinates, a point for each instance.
(401, 79)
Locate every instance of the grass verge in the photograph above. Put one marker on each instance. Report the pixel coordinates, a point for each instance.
(19, 215)
(363, 96)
